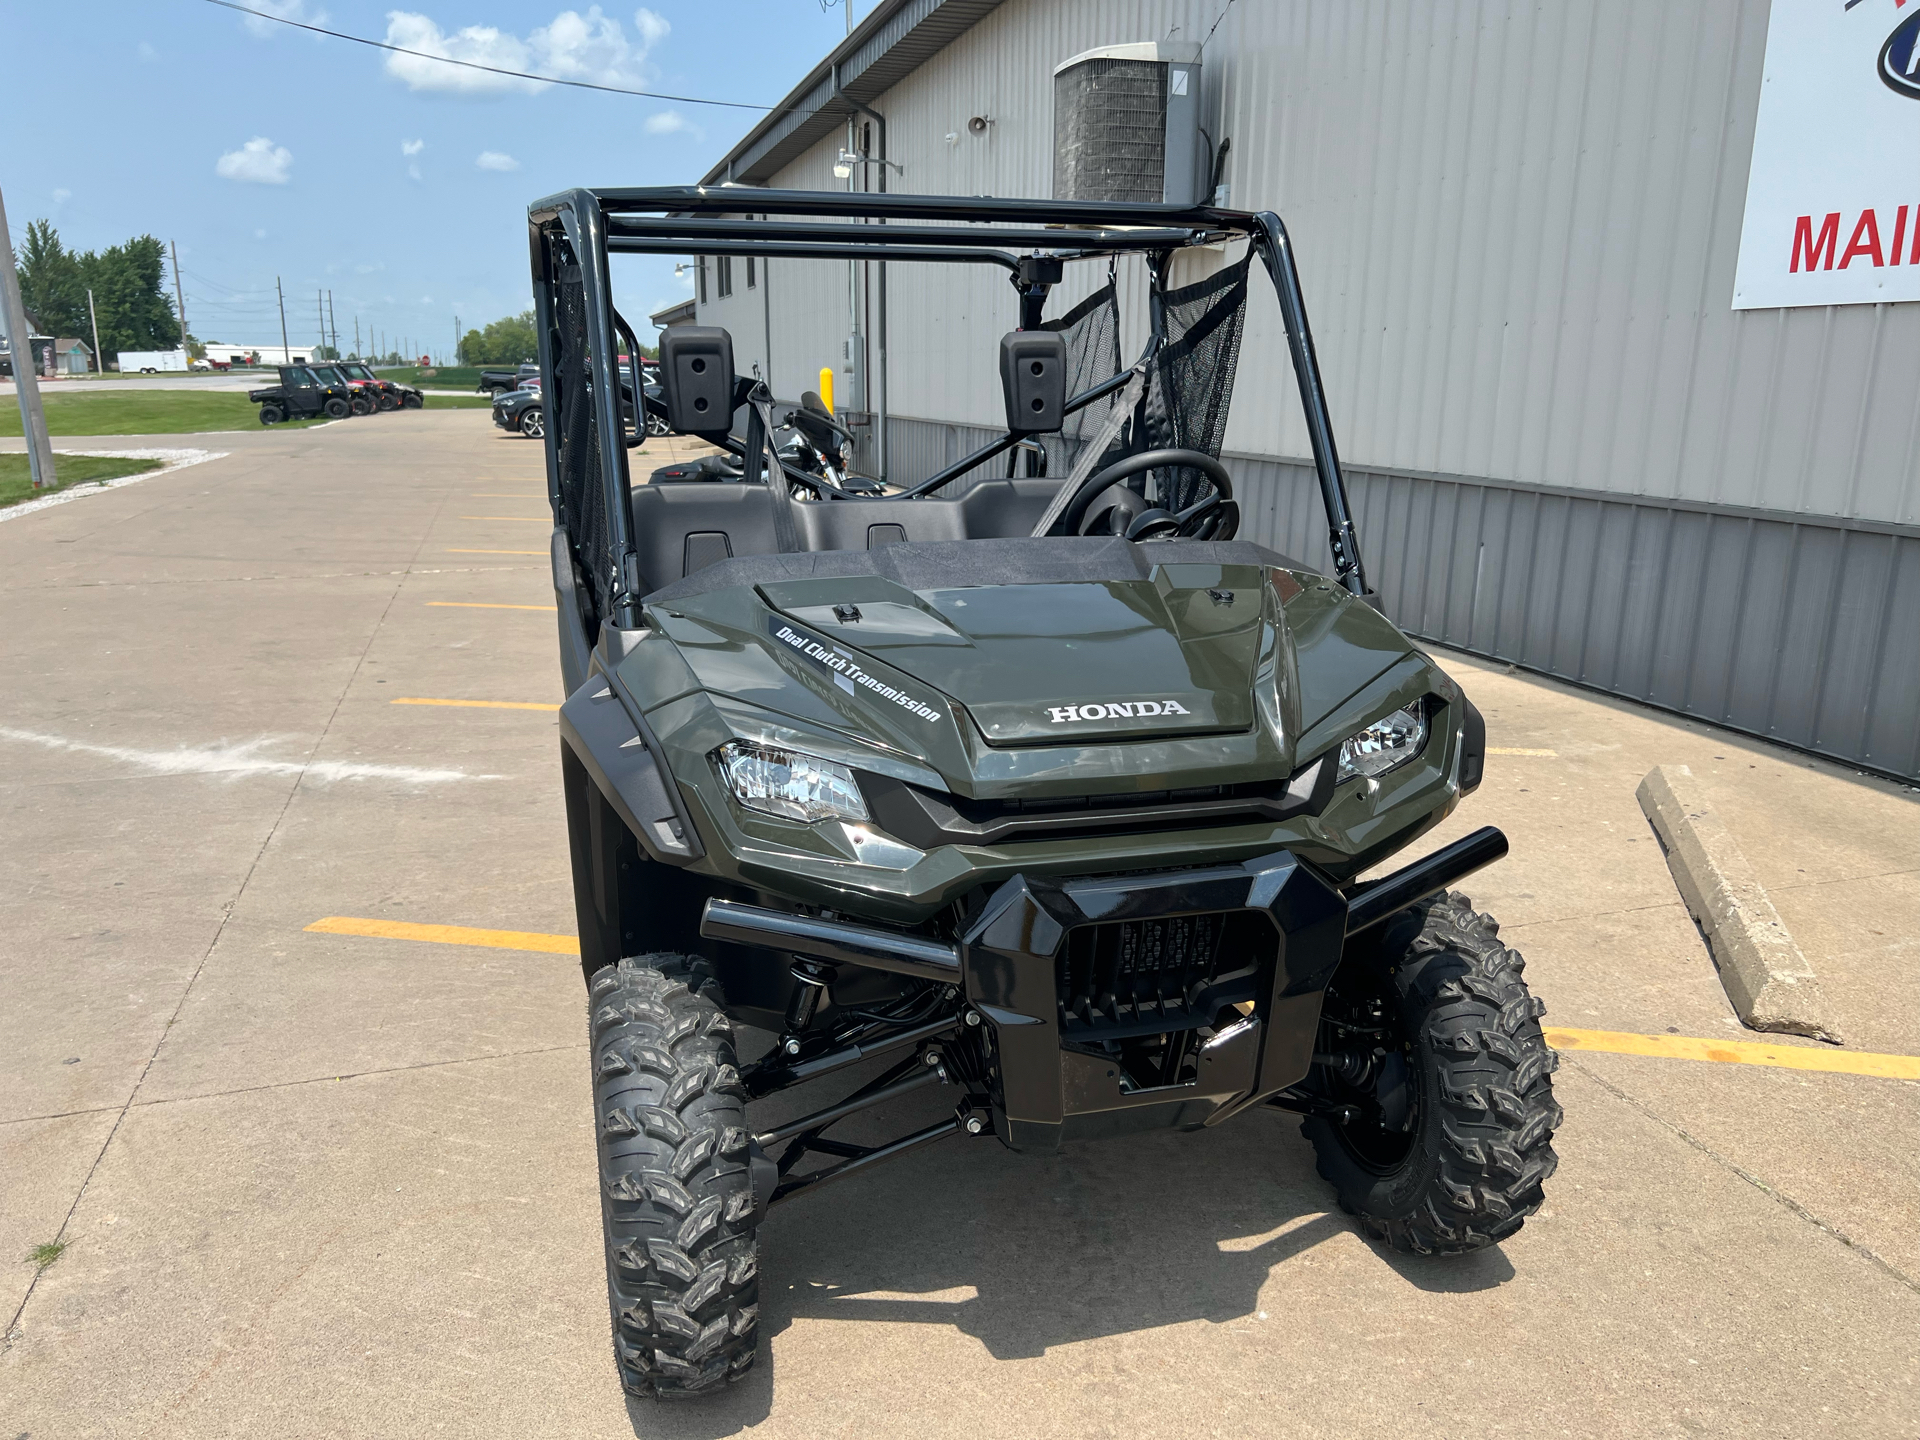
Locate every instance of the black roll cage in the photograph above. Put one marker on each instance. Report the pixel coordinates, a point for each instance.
(581, 228)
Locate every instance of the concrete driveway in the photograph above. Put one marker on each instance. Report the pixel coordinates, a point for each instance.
(333, 1184)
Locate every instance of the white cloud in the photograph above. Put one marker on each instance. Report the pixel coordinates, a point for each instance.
(60, 197)
(286, 10)
(413, 172)
(494, 160)
(258, 162)
(412, 147)
(592, 47)
(670, 122)
(259, 234)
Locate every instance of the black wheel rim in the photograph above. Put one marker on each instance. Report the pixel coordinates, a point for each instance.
(1363, 1017)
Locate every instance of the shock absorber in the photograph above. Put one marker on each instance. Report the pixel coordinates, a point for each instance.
(812, 983)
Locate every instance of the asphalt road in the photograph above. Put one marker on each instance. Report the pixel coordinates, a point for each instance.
(326, 1184)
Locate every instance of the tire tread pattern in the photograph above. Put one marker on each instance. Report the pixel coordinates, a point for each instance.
(676, 1195)
(1487, 1147)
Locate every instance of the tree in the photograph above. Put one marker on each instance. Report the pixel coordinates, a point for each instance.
(129, 291)
(128, 283)
(506, 341)
(51, 286)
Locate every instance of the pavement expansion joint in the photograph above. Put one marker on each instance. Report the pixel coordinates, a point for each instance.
(368, 1074)
(1779, 1197)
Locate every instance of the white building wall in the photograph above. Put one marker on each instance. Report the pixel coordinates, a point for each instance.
(1516, 224)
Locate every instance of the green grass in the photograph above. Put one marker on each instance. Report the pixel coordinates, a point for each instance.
(444, 377)
(142, 412)
(70, 471)
(173, 412)
(45, 1255)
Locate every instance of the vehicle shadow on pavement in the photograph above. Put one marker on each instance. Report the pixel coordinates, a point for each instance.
(1026, 1253)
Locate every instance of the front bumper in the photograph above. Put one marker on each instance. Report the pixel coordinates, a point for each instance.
(1053, 1088)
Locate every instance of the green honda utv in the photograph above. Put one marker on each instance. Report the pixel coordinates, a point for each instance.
(1024, 782)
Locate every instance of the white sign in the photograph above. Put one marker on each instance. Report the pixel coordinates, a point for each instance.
(1833, 195)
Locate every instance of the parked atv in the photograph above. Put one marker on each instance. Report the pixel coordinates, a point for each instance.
(301, 395)
(1050, 798)
(365, 394)
(391, 394)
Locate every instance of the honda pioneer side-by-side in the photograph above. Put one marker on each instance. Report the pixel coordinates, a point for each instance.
(1021, 782)
(301, 395)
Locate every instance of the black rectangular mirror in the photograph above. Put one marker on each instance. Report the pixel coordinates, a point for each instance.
(696, 374)
(1033, 375)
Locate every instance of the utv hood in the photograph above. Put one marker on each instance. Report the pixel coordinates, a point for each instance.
(1050, 664)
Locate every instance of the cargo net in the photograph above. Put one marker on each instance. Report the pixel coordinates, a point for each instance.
(1092, 330)
(577, 440)
(1191, 385)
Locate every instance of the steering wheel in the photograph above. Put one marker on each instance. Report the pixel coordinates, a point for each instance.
(1214, 518)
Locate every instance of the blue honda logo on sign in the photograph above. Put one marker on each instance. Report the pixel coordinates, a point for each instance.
(1900, 59)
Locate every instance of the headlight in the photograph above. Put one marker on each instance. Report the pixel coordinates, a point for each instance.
(790, 784)
(1385, 744)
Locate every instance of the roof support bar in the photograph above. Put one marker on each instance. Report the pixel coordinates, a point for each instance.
(691, 231)
(628, 245)
(1277, 252)
(586, 231)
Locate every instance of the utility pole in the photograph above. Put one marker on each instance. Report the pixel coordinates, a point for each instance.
(33, 418)
(320, 304)
(99, 361)
(180, 299)
(456, 339)
(286, 347)
(356, 339)
(333, 325)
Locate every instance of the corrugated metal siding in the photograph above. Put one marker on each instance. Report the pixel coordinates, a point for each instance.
(1517, 225)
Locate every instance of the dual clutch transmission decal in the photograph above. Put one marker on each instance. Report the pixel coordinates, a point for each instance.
(846, 672)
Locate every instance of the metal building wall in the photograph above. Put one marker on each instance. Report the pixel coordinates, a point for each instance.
(1517, 225)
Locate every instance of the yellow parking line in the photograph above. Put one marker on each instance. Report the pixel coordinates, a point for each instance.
(1615, 1042)
(496, 552)
(1536, 754)
(1738, 1052)
(483, 605)
(535, 519)
(476, 704)
(447, 934)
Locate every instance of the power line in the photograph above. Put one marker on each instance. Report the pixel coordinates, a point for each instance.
(490, 69)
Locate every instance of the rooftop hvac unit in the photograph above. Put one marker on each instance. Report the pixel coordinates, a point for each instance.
(1126, 125)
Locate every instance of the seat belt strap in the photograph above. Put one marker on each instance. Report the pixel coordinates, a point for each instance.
(1117, 417)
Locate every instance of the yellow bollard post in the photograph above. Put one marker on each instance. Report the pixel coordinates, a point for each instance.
(826, 387)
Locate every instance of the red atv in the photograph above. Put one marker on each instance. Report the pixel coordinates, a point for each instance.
(366, 393)
(392, 396)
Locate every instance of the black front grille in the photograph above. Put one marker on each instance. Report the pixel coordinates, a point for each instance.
(1173, 972)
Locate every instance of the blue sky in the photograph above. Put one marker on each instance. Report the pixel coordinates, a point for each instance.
(401, 185)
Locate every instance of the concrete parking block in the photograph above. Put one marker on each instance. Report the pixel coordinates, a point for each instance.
(1766, 975)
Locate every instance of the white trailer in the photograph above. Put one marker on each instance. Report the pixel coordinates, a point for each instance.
(147, 362)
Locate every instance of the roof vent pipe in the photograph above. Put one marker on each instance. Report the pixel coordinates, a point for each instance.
(877, 380)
